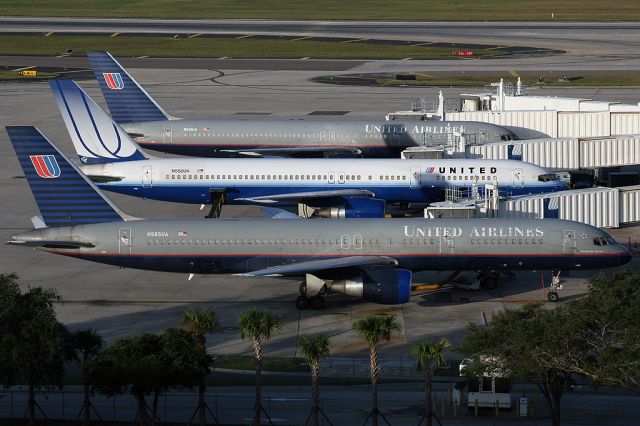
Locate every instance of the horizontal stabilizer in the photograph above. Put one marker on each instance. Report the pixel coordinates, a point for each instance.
(52, 244)
(311, 266)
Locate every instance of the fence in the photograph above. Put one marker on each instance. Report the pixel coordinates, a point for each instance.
(399, 405)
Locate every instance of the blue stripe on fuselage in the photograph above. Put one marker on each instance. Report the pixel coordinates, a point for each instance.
(242, 263)
(199, 194)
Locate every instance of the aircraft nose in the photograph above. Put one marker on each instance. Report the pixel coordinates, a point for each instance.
(625, 256)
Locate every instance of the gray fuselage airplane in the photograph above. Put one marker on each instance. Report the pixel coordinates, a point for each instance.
(368, 258)
(144, 119)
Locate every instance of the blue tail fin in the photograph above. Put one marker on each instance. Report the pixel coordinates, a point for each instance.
(127, 101)
(64, 195)
(96, 138)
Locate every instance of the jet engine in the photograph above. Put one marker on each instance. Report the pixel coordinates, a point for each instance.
(388, 286)
(354, 207)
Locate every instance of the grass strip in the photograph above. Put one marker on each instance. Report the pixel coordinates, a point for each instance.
(570, 81)
(424, 10)
(213, 47)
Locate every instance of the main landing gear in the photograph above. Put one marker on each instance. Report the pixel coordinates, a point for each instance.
(316, 302)
(217, 200)
(552, 295)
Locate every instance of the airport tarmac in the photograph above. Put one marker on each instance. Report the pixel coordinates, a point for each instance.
(122, 302)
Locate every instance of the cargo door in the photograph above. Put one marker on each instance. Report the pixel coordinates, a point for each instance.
(167, 134)
(569, 241)
(125, 241)
(414, 177)
(147, 177)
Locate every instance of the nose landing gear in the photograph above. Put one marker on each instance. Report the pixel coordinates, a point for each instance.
(552, 295)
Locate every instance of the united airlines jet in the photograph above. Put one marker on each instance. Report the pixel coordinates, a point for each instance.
(371, 259)
(143, 118)
(343, 187)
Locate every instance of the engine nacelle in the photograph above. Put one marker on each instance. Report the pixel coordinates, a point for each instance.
(388, 286)
(354, 207)
(331, 213)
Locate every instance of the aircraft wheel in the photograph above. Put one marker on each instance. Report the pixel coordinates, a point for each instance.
(317, 303)
(490, 283)
(303, 288)
(552, 296)
(302, 303)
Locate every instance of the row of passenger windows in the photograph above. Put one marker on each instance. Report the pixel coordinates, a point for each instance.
(314, 177)
(344, 243)
(323, 137)
(281, 177)
(330, 241)
(438, 177)
(507, 241)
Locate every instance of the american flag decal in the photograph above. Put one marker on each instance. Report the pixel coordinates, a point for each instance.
(114, 80)
(430, 169)
(46, 166)
(182, 234)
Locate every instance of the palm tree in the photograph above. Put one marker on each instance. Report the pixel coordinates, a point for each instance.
(313, 349)
(373, 329)
(428, 358)
(85, 345)
(201, 321)
(258, 324)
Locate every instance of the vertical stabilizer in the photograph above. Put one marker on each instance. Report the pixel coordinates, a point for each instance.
(95, 136)
(127, 101)
(65, 196)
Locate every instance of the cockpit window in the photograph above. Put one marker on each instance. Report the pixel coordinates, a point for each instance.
(600, 241)
(548, 177)
(506, 137)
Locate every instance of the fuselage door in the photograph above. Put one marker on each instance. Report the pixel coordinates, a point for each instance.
(447, 244)
(147, 177)
(414, 177)
(167, 134)
(332, 177)
(125, 241)
(341, 177)
(569, 241)
(517, 178)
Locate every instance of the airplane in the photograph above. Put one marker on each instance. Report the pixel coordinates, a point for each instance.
(153, 128)
(340, 187)
(371, 259)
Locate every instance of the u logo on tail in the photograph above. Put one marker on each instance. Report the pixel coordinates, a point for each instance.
(114, 80)
(46, 166)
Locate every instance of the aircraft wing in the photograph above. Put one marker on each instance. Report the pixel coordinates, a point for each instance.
(298, 196)
(295, 151)
(311, 266)
(274, 213)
